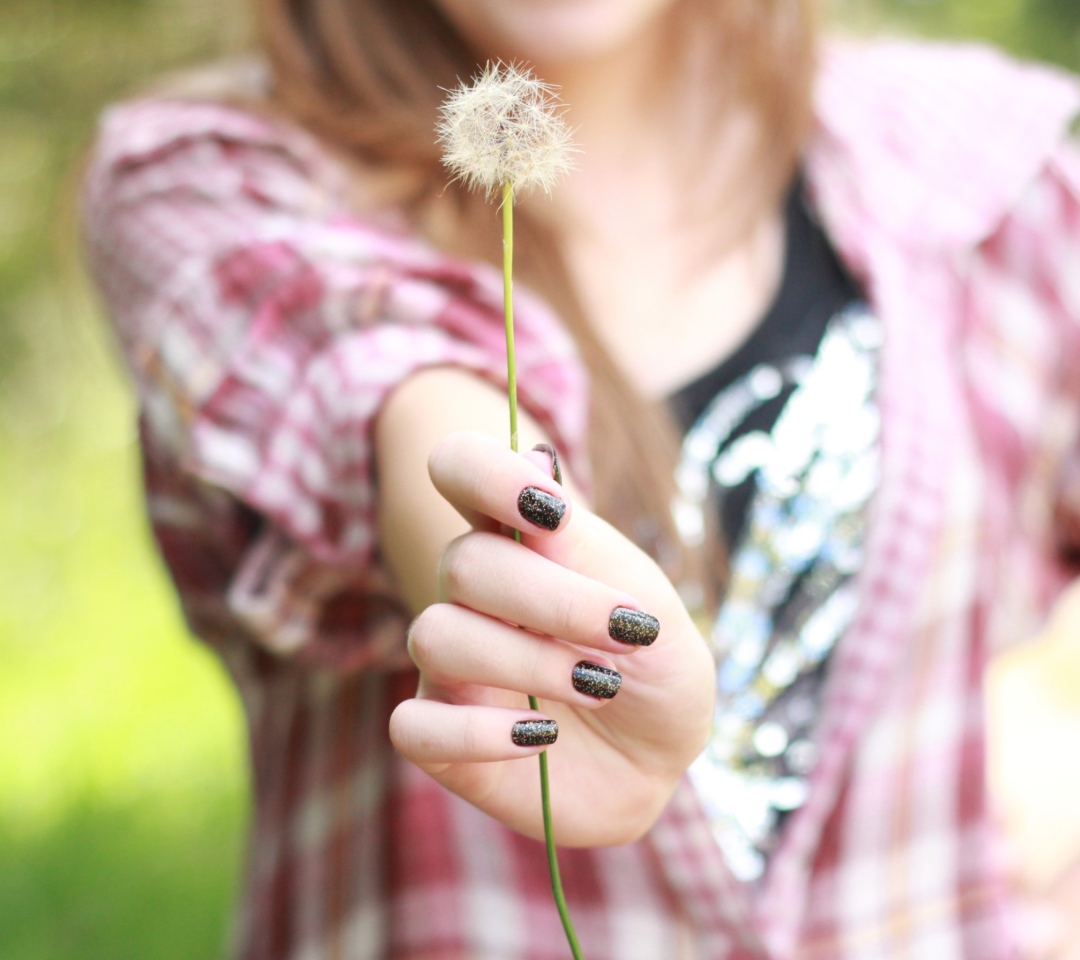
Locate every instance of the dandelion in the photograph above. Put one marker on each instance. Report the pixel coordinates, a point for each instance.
(505, 128)
(504, 133)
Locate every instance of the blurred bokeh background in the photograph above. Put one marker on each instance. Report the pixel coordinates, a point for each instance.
(122, 772)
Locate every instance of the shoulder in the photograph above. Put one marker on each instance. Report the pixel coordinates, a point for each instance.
(196, 168)
(188, 135)
(931, 143)
(188, 195)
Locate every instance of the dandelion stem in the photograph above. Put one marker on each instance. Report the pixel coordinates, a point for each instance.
(511, 390)
(553, 859)
(508, 311)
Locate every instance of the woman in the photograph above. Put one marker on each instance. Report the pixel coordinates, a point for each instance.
(875, 436)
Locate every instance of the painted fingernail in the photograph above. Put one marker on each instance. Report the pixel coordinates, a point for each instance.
(556, 473)
(594, 680)
(541, 508)
(534, 733)
(632, 626)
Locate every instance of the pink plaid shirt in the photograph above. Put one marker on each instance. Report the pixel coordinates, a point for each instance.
(264, 325)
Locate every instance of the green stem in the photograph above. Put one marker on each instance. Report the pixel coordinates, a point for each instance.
(508, 312)
(553, 859)
(511, 390)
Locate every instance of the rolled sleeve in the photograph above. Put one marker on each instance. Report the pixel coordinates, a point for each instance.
(265, 326)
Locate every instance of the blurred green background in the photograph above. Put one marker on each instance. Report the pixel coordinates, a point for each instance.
(122, 771)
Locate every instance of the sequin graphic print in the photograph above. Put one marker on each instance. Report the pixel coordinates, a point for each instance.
(791, 588)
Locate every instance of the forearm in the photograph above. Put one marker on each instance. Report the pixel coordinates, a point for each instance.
(415, 522)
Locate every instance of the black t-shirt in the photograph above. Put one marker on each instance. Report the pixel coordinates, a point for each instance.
(781, 440)
(814, 288)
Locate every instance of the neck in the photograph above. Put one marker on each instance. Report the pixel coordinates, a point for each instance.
(639, 144)
(623, 127)
(606, 93)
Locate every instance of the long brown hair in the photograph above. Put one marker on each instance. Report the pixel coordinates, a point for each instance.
(365, 77)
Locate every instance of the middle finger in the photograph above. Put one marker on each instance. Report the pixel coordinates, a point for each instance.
(496, 576)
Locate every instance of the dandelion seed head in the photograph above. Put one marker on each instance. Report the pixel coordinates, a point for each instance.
(505, 127)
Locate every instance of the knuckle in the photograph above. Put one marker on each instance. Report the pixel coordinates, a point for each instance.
(441, 456)
(401, 729)
(487, 483)
(532, 666)
(470, 738)
(419, 640)
(449, 568)
(566, 616)
(459, 565)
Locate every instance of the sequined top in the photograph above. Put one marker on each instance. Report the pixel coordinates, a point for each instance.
(786, 450)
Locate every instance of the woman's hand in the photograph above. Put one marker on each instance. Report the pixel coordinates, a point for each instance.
(631, 713)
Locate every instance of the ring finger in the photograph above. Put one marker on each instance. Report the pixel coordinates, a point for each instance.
(453, 645)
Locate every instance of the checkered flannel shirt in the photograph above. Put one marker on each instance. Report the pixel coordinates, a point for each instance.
(264, 323)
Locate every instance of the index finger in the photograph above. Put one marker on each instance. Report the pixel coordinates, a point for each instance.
(478, 475)
(481, 478)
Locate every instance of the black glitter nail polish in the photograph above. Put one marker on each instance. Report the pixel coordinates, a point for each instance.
(556, 473)
(596, 681)
(632, 626)
(541, 508)
(534, 733)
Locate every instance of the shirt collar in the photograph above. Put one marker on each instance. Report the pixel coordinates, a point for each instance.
(929, 144)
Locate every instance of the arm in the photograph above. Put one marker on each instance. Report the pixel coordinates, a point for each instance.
(264, 326)
(415, 523)
(1028, 272)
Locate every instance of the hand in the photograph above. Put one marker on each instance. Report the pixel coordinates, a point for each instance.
(624, 739)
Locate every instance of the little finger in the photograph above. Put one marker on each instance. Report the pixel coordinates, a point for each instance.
(428, 732)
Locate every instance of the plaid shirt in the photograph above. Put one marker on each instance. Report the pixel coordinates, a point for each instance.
(264, 324)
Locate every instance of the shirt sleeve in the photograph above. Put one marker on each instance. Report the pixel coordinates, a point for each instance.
(1065, 176)
(264, 325)
(1022, 355)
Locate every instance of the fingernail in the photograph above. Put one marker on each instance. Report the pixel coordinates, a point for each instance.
(534, 733)
(632, 626)
(556, 473)
(541, 508)
(596, 681)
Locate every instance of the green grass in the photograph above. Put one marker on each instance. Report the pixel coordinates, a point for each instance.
(122, 774)
(111, 880)
(122, 789)
(1041, 29)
